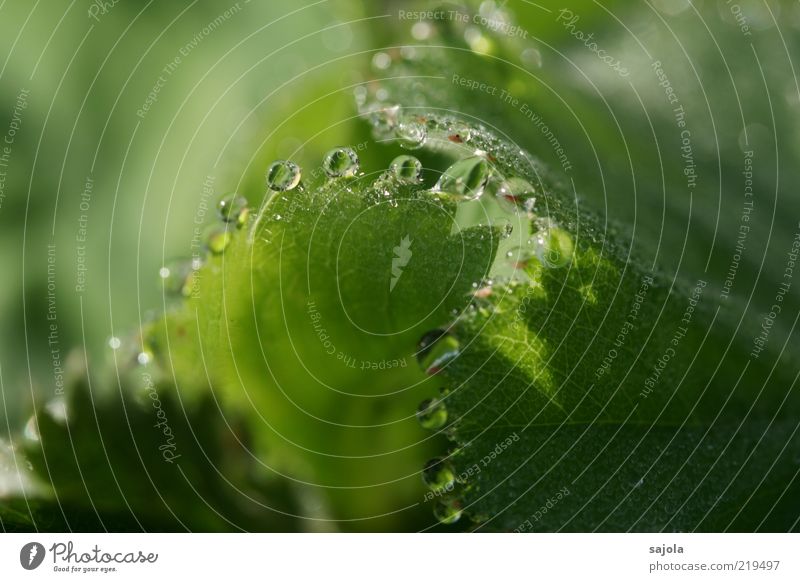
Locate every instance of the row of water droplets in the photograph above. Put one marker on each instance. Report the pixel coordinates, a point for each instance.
(476, 173)
(234, 213)
(469, 178)
(466, 179)
(435, 350)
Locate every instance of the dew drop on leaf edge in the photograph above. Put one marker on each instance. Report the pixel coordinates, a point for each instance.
(447, 511)
(218, 239)
(178, 276)
(406, 169)
(515, 191)
(555, 247)
(233, 208)
(435, 348)
(459, 132)
(411, 134)
(465, 179)
(341, 163)
(283, 175)
(438, 475)
(31, 431)
(432, 414)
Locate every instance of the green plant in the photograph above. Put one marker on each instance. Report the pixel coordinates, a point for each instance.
(565, 383)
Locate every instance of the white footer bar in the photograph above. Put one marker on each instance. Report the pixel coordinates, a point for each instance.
(379, 557)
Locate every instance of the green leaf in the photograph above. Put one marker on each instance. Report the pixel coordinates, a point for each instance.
(597, 393)
(142, 460)
(633, 394)
(308, 324)
(581, 389)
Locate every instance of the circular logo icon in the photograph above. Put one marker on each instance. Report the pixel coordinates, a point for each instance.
(31, 555)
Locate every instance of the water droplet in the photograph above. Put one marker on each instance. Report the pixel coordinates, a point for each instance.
(384, 119)
(31, 431)
(218, 239)
(144, 358)
(360, 93)
(516, 191)
(435, 349)
(178, 277)
(530, 205)
(554, 247)
(408, 52)
(341, 163)
(531, 58)
(447, 511)
(283, 175)
(477, 41)
(407, 169)
(438, 475)
(114, 343)
(487, 9)
(57, 410)
(411, 134)
(233, 208)
(432, 414)
(459, 132)
(381, 61)
(421, 30)
(464, 180)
